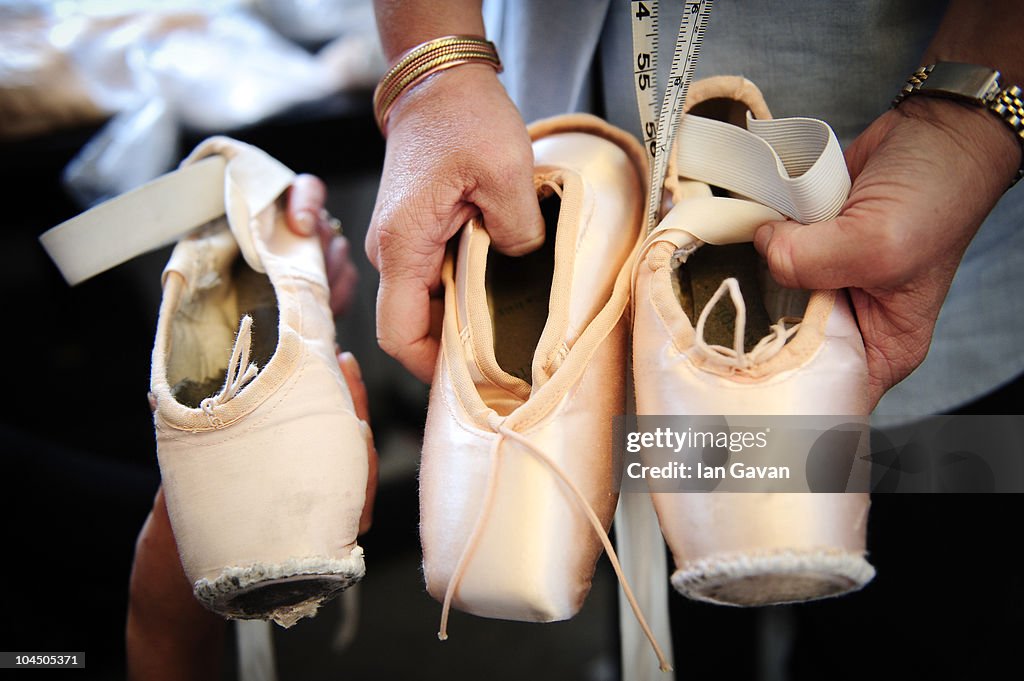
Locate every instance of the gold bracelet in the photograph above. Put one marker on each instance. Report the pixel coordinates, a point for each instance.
(427, 59)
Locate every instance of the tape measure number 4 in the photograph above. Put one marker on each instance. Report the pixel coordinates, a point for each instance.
(660, 124)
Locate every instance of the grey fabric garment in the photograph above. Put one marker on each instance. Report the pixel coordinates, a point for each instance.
(841, 62)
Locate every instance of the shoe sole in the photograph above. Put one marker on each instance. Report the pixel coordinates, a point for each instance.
(776, 577)
(284, 593)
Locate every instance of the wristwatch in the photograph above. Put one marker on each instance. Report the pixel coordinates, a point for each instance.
(972, 84)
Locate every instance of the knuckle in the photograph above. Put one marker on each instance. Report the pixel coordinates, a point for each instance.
(517, 167)
(387, 240)
(511, 167)
(388, 344)
(386, 338)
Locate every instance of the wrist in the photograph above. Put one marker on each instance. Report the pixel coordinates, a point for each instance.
(443, 93)
(425, 60)
(977, 88)
(404, 25)
(979, 134)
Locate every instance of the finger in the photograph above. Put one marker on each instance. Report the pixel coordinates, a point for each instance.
(511, 212)
(326, 234)
(342, 275)
(823, 255)
(354, 377)
(403, 325)
(343, 290)
(305, 201)
(337, 256)
(366, 517)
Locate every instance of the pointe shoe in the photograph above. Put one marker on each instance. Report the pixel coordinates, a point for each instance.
(691, 356)
(517, 481)
(262, 458)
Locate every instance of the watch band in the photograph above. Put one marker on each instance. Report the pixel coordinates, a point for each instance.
(972, 84)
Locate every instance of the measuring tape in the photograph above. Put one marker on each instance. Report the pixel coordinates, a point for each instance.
(659, 125)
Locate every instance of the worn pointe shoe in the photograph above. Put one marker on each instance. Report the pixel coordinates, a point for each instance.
(517, 487)
(263, 460)
(775, 352)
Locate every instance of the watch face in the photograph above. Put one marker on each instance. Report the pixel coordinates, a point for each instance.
(966, 81)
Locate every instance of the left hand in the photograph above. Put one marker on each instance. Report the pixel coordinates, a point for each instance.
(925, 176)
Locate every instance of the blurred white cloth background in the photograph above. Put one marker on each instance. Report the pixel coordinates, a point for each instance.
(158, 66)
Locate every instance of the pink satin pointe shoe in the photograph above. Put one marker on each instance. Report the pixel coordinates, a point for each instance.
(517, 482)
(263, 460)
(772, 352)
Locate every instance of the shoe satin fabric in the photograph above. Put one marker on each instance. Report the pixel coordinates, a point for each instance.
(534, 557)
(264, 480)
(740, 548)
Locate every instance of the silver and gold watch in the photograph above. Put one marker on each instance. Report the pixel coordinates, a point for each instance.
(972, 84)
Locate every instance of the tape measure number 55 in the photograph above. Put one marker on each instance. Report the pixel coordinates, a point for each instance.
(659, 125)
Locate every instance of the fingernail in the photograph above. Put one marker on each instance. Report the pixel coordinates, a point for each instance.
(305, 221)
(762, 236)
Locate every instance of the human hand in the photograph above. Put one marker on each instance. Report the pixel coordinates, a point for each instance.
(457, 147)
(169, 635)
(306, 215)
(925, 176)
(361, 401)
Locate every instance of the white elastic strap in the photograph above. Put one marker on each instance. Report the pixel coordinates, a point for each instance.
(221, 177)
(794, 165)
(255, 643)
(155, 214)
(641, 551)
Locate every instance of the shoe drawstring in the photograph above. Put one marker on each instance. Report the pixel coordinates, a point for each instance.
(735, 358)
(474, 537)
(504, 432)
(239, 372)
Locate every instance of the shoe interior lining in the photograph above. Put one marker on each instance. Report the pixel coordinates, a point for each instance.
(766, 302)
(698, 279)
(722, 109)
(518, 294)
(205, 326)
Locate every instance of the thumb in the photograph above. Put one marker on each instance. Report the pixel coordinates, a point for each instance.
(511, 213)
(823, 255)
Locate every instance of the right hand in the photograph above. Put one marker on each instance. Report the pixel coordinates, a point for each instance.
(457, 147)
(925, 176)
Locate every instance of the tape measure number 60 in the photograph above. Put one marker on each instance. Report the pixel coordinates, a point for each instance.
(659, 125)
